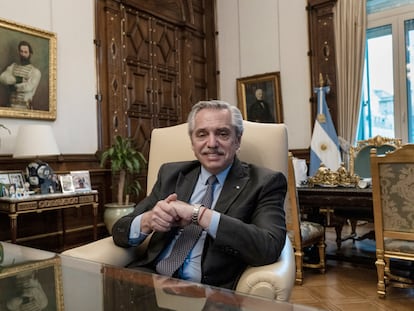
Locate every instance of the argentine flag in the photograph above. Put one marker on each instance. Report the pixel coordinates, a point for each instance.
(324, 143)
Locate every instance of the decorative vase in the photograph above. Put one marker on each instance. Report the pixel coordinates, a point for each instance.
(114, 211)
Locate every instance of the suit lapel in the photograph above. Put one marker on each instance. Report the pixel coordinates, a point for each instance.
(186, 183)
(234, 185)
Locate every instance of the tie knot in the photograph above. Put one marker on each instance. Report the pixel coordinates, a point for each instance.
(211, 180)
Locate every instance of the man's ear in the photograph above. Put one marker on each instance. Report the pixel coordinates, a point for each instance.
(238, 142)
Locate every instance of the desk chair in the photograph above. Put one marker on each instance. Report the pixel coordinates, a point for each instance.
(262, 144)
(302, 234)
(393, 199)
(359, 164)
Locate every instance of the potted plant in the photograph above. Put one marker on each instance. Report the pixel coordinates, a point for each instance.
(125, 161)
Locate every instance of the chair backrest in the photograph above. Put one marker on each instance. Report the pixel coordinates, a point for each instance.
(293, 216)
(264, 144)
(360, 154)
(393, 197)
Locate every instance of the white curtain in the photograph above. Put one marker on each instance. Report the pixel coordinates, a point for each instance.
(350, 21)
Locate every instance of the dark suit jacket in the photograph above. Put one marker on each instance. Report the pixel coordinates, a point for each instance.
(252, 228)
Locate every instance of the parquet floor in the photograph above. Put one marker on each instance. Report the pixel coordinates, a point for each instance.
(350, 280)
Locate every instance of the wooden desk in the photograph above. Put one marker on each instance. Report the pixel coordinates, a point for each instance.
(14, 207)
(338, 204)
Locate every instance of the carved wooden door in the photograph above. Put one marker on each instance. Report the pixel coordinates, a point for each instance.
(155, 59)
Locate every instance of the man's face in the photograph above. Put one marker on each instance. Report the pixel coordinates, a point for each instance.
(24, 53)
(259, 94)
(214, 140)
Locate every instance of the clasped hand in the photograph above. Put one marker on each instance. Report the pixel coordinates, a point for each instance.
(170, 213)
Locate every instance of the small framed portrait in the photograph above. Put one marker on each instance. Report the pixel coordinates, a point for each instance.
(4, 184)
(17, 179)
(32, 286)
(27, 72)
(12, 184)
(81, 180)
(66, 183)
(260, 98)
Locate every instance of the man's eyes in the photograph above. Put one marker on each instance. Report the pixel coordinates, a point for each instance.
(221, 134)
(224, 134)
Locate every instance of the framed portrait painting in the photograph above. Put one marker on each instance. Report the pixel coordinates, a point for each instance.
(260, 98)
(27, 72)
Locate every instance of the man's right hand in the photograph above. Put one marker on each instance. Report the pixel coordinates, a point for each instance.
(162, 217)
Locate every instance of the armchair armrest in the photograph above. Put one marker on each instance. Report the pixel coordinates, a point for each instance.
(103, 251)
(13, 254)
(274, 281)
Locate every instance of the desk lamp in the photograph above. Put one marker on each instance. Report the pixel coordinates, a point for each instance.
(36, 140)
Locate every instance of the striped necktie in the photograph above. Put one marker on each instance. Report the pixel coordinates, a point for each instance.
(188, 237)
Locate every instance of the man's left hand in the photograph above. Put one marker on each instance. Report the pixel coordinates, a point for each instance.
(184, 212)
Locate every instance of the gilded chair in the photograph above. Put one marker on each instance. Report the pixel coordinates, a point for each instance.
(393, 199)
(302, 233)
(359, 164)
(262, 144)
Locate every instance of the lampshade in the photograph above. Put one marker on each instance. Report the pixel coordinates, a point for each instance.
(35, 140)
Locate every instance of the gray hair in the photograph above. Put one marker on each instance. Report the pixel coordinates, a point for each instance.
(236, 116)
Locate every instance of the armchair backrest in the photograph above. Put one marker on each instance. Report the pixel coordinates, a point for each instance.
(264, 144)
(393, 197)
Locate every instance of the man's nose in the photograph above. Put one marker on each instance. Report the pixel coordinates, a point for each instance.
(212, 141)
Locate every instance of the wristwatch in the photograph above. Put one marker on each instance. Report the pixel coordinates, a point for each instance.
(196, 211)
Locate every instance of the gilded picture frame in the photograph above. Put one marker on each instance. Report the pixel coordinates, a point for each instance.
(43, 279)
(27, 92)
(260, 98)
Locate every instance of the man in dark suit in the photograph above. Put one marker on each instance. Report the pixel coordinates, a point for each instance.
(245, 224)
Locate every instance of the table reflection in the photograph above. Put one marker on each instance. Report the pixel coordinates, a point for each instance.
(129, 289)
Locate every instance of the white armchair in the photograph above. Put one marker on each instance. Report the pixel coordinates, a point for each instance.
(262, 144)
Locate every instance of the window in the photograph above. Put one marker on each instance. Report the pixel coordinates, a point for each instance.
(387, 102)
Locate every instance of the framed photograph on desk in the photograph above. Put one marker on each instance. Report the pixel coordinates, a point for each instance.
(11, 183)
(81, 180)
(66, 182)
(17, 180)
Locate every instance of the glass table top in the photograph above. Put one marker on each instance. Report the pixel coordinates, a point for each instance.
(129, 289)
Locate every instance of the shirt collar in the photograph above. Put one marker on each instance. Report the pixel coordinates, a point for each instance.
(221, 177)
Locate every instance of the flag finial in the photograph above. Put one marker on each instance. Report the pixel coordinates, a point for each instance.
(321, 83)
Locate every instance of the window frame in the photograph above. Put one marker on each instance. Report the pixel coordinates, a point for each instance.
(395, 18)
